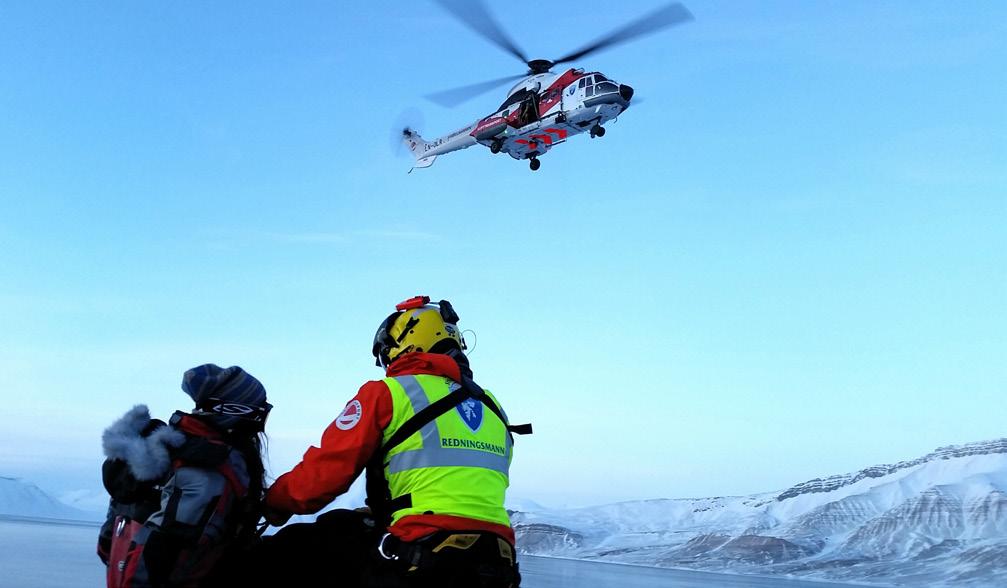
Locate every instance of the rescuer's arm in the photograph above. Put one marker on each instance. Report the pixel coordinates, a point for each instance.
(327, 471)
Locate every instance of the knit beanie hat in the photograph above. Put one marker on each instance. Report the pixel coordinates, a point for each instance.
(229, 397)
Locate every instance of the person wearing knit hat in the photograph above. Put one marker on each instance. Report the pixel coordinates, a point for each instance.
(230, 398)
(185, 494)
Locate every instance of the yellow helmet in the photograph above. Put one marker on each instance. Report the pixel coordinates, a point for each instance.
(417, 325)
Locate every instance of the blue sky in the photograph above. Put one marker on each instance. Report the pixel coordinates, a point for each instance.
(789, 261)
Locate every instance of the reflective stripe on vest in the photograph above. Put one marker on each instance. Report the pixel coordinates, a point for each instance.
(432, 454)
(473, 462)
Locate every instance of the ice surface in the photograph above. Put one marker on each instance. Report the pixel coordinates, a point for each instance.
(38, 554)
(44, 554)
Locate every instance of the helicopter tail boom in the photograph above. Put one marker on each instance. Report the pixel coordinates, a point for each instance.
(418, 147)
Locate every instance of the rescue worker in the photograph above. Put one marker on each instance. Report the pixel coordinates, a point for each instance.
(185, 495)
(436, 448)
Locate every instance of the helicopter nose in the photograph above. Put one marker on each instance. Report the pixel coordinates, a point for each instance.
(626, 92)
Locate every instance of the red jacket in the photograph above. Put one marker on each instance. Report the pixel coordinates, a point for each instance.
(326, 472)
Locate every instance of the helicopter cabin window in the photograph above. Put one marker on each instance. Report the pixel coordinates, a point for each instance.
(515, 98)
(582, 82)
(590, 91)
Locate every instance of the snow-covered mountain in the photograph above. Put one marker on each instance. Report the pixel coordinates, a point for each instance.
(19, 498)
(941, 518)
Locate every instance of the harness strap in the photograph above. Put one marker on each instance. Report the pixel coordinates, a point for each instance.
(424, 417)
(476, 391)
(494, 554)
(522, 429)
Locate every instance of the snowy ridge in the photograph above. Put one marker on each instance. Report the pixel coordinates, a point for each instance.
(22, 499)
(941, 518)
(952, 451)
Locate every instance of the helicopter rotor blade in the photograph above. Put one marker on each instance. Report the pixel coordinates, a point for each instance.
(474, 14)
(455, 96)
(666, 16)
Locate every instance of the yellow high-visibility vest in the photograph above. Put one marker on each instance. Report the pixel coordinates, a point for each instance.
(455, 465)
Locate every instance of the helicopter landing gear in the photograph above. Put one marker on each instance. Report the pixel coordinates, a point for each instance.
(534, 164)
(496, 146)
(597, 131)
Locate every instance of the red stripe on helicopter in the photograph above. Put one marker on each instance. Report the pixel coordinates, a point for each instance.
(564, 80)
(546, 138)
(558, 132)
(555, 90)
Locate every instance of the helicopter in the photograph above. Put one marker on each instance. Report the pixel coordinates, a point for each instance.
(544, 109)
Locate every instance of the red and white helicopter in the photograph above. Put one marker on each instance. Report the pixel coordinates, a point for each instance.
(544, 109)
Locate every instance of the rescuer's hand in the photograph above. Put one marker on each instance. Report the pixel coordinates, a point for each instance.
(276, 518)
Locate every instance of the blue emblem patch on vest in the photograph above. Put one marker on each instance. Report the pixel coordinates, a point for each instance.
(471, 411)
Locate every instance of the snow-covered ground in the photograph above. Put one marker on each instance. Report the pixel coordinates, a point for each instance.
(937, 519)
(45, 554)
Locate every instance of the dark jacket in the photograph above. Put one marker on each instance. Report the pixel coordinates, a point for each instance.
(180, 499)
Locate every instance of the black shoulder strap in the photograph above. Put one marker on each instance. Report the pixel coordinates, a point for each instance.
(379, 497)
(423, 418)
(476, 391)
(524, 429)
(469, 389)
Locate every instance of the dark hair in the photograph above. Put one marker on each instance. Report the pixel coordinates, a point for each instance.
(252, 448)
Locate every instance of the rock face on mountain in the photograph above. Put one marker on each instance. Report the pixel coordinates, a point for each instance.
(542, 538)
(939, 519)
(951, 452)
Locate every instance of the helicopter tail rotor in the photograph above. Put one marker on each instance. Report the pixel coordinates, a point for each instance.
(418, 147)
(407, 121)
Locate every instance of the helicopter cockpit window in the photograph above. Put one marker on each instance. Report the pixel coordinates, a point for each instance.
(582, 82)
(598, 78)
(605, 87)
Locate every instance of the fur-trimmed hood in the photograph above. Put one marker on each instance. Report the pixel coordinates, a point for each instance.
(148, 457)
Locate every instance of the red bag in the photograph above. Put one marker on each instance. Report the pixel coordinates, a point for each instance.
(123, 553)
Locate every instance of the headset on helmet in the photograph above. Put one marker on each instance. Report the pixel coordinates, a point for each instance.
(417, 325)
